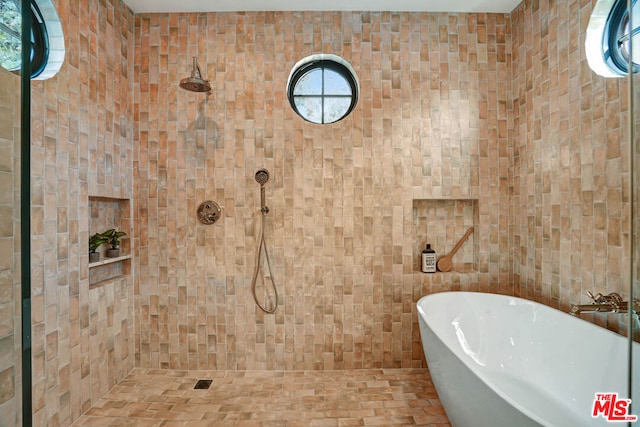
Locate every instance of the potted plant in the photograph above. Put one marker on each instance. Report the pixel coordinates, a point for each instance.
(95, 241)
(113, 239)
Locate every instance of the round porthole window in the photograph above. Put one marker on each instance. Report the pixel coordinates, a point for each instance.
(323, 88)
(610, 34)
(47, 39)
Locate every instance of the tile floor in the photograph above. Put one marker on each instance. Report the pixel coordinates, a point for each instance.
(373, 397)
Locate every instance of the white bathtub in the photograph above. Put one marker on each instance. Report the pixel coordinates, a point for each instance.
(504, 361)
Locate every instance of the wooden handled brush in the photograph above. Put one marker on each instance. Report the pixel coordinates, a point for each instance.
(444, 263)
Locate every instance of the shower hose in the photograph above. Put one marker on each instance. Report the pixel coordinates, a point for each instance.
(263, 246)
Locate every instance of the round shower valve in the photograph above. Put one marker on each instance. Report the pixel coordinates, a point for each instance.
(208, 212)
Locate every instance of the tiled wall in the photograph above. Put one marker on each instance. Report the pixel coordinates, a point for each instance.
(82, 146)
(431, 123)
(570, 169)
(10, 301)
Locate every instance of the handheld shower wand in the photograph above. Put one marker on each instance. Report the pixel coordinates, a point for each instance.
(262, 176)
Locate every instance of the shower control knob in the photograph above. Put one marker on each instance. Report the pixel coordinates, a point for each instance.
(208, 212)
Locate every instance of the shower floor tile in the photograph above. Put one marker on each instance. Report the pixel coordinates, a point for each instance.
(372, 397)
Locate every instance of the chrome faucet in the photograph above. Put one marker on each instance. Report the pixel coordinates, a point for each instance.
(611, 303)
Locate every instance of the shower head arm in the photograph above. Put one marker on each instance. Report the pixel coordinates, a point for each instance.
(195, 72)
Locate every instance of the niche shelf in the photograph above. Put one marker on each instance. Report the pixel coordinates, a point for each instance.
(106, 261)
(442, 222)
(106, 213)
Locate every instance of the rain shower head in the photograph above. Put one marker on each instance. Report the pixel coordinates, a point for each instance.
(195, 83)
(262, 176)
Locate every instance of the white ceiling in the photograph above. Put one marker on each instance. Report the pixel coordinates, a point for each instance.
(147, 6)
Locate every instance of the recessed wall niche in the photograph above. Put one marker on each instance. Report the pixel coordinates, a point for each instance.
(442, 223)
(106, 213)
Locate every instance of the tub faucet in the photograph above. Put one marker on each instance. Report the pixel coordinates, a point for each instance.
(611, 303)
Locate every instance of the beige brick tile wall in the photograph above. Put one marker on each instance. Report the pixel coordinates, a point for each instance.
(431, 122)
(10, 301)
(82, 145)
(571, 176)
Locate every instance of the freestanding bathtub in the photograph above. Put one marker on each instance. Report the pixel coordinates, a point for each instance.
(503, 361)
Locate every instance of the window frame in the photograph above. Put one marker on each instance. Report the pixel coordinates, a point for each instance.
(606, 28)
(47, 50)
(323, 62)
(618, 19)
(39, 41)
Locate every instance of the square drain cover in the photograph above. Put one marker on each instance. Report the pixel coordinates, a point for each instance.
(203, 384)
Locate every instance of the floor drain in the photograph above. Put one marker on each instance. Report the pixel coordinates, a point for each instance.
(203, 384)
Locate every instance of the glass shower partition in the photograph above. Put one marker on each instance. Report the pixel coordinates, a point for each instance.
(23, 217)
(634, 156)
(633, 49)
(15, 354)
(10, 292)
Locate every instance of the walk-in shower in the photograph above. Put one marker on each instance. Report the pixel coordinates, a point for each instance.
(262, 177)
